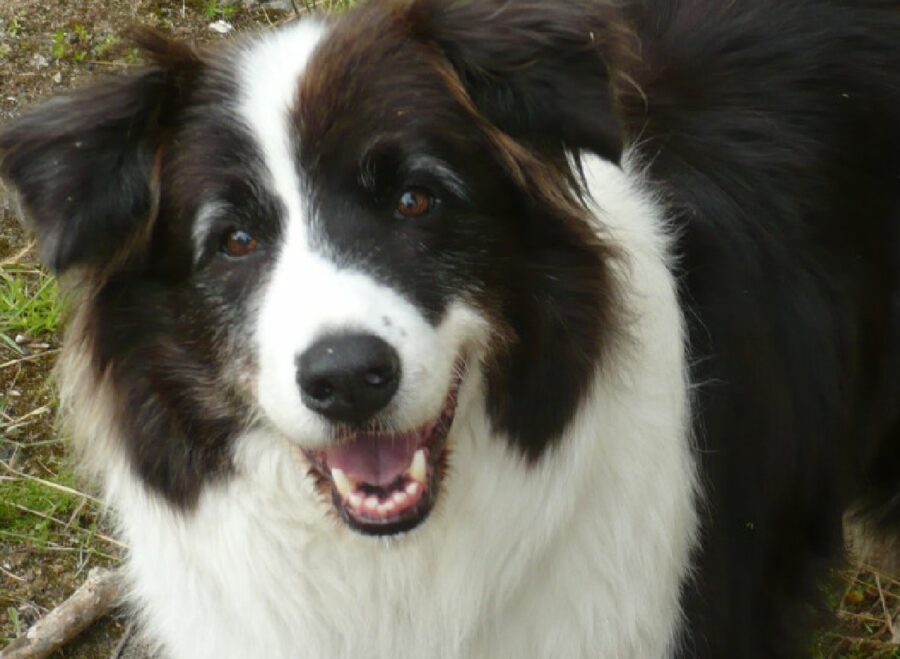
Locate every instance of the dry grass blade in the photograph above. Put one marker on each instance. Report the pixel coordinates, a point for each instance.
(28, 358)
(887, 614)
(18, 256)
(50, 484)
(12, 576)
(99, 536)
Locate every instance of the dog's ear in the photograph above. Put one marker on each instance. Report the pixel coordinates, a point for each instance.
(85, 165)
(533, 69)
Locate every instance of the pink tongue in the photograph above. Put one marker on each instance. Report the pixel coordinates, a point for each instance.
(372, 459)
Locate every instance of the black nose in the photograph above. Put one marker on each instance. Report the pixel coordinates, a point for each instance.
(348, 377)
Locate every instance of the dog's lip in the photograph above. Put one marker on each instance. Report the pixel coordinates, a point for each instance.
(384, 483)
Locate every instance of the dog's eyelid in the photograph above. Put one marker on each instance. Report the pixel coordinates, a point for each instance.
(383, 159)
(435, 169)
(211, 220)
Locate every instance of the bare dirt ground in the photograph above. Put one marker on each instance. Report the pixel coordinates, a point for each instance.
(51, 529)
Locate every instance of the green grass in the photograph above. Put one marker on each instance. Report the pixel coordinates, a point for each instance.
(60, 44)
(76, 43)
(22, 493)
(14, 29)
(327, 5)
(858, 650)
(107, 44)
(29, 304)
(36, 514)
(216, 9)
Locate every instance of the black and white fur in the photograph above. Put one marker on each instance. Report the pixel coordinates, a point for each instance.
(665, 246)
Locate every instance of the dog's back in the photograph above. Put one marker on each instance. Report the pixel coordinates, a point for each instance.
(772, 130)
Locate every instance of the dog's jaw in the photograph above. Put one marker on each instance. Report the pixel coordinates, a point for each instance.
(382, 482)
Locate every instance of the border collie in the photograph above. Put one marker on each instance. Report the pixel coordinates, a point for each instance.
(502, 328)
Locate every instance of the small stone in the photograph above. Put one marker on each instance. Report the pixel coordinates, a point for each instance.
(279, 5)
(221, 27)
(57, 77)
(20, 339)
(39, 61)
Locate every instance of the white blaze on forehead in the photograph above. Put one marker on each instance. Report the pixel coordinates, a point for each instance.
(307, 294)
(269, 80)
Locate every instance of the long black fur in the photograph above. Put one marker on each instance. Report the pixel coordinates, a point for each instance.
(773, 130)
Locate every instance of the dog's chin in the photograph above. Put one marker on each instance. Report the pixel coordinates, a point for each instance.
(386, 483)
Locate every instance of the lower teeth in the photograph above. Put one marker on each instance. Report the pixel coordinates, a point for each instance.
(397, 499)
(368, 498)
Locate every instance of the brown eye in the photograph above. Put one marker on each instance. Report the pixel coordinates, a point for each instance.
(414, 202)
(239, 243)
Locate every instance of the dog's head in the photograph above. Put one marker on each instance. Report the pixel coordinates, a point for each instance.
(327, 232)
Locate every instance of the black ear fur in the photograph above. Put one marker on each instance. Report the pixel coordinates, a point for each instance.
(83, 163)
(533, 68)
(535, 76)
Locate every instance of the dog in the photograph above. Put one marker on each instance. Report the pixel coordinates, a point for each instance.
(502, 328)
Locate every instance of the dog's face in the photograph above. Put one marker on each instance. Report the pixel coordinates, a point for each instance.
(325, 233)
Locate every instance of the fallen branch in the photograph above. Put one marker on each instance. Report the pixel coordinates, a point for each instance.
(94, 599)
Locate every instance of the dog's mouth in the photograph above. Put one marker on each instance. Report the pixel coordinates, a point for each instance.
(384, 483)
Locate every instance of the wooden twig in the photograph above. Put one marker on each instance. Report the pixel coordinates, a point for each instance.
(9, 574)
(18, 256)
(28, 358)
(888, 620)
(94, 599)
